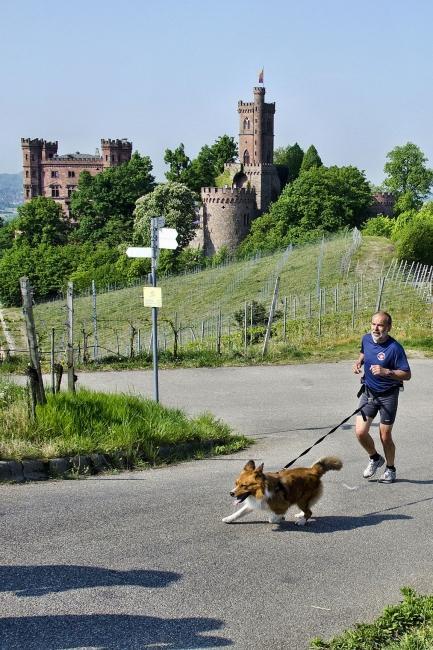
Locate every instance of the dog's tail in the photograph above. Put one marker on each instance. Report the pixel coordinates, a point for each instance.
(325, 464)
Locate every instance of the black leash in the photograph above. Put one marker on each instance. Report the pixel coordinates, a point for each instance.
(358, 410)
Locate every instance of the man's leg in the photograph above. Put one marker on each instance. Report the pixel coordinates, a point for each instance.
(387, 443)
(362, 430)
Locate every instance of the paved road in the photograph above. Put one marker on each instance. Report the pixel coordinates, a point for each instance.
(142, 559)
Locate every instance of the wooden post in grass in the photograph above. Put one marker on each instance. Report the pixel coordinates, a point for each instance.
(95, 323)
(70, 328)
(380, 292)
(53, 373)
(271, 316)
(34, 370)
(285, 318)
(245, 325)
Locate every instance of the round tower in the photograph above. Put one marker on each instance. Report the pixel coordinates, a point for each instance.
(259, 100)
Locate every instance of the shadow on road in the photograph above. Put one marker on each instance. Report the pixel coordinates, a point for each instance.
(333, 524)
(108, 632)
(47, 579)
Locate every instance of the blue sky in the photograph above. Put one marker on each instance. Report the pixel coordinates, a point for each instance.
(352, 78)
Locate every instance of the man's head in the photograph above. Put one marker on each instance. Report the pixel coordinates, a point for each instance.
(381, 323)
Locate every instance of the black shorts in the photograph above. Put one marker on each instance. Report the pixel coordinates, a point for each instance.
(386, 405)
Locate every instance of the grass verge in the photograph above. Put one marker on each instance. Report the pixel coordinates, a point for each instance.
(406, 626)
(90, 422)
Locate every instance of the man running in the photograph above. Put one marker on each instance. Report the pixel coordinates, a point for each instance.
(385, 368)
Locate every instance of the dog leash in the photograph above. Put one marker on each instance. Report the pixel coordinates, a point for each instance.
(358, 410)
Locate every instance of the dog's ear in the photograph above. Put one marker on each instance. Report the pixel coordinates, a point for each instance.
(259, 470)
(250, 466)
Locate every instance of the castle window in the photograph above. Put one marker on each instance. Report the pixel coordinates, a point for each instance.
(71, 174)
(55, 191)
(27, 192)
(246, 157)
(71, 188)
(106, 157)
(27, 174)
(54, 174)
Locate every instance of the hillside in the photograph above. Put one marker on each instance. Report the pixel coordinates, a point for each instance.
(11, 192)
(326, 290)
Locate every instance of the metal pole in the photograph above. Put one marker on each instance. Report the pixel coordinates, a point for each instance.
(154, 246)
(53, 374)
(70, 326)
(95, 323)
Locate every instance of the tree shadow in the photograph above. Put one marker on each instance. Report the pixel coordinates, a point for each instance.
(40, 580)
(108, 632)
(330, 524)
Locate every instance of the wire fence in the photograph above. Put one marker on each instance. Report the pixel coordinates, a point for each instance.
(321, 313)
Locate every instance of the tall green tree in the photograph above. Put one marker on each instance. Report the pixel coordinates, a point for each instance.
(178, 163)
(202, 170)
(408, 174)
(311, 159)
(41, 221)
(103, 205)
(290, 157)
(322, 199)
(176, 203)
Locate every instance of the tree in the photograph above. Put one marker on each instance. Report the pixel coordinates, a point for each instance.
(290, 157)
(415, 239)
(41, 221)
(311, 159)
(202, 170)
(176, 203)
(408, 174)
(103, 204)
(322, 199)
(179, 164)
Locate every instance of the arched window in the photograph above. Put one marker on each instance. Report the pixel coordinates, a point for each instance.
(246, 157)
(246, 124)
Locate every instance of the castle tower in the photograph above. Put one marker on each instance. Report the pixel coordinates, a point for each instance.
(32, 158)
(115, 152)
(256, 130)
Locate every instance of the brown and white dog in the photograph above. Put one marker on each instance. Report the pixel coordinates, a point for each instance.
(277, 491)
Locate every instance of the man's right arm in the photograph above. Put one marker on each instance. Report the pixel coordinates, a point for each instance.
(358, 364)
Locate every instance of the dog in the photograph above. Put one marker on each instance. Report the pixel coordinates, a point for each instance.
(277, 491)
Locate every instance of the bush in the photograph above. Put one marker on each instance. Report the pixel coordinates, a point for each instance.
(379, 226)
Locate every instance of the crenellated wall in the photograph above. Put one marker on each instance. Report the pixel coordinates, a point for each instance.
(225, 217)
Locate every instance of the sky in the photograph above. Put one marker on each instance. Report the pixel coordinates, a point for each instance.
(353, 78)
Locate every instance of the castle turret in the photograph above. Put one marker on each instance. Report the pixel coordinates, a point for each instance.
(32, 158)
(115, 152)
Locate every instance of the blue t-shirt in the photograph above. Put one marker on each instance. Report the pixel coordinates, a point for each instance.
(389, 354)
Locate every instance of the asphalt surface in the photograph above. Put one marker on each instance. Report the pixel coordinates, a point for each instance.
(142, 559)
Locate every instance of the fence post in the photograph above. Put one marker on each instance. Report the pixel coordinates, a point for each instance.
(34, 371)
(70, 328)
(271, 316)
(53, 373)
(95, 323)
(245, 325)
(380, 292)
(285, 318)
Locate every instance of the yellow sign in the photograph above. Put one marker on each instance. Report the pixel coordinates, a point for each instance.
(152, 296)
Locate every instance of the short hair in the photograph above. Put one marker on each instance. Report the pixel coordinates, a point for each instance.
(384, 313)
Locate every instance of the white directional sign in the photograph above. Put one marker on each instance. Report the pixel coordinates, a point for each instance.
(138, 252)
(167, 238)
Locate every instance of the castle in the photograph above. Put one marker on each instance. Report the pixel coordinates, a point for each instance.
(227, 212)
(45, 173)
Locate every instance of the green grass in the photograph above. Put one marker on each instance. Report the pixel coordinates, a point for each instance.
(195, 300)
(406, 626)
(91, 422)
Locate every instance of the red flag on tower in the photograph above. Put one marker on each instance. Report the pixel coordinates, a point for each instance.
(261, 76)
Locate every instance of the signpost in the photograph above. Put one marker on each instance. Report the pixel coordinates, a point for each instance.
(160, 237)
